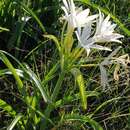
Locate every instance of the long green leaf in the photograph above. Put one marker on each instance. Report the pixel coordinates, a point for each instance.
(37, 83)
(76, 117)
(79, 78)
(14, 122)
(5, 106)
(3, 29)
(51, 73)
(7, 72)
(12, 70)
(52, 37)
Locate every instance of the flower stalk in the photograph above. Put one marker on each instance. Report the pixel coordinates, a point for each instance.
(53, 98)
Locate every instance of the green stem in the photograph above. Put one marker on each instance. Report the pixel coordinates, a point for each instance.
(53, 98)
(57, 87)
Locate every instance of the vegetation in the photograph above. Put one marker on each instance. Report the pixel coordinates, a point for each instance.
(49, 80)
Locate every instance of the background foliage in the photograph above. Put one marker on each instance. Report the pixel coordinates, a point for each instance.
(33, 64)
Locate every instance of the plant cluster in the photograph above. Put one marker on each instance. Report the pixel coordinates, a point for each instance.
(81, 82)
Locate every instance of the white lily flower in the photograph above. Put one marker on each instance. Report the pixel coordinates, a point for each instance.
(86, 41)
(105, 30)
(104, 33)
(76, 17)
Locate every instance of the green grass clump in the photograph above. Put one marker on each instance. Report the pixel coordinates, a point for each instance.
(48, 83)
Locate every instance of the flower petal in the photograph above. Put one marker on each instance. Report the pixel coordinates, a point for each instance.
(66, 4)
(95, 46)
(83, 13)
(86, 31)
(65, 10)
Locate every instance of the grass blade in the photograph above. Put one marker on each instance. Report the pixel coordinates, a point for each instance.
(12, 70)
(4, 29)
(51, 74)
(7, 107)
(37, 83)
(14, 122)
(76, 117)
(52, 37)
(79, 78)
(6, 71)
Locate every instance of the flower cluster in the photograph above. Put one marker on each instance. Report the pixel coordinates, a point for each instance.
(80, 19)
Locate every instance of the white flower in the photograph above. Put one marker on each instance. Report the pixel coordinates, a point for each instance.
(86, 41)
(104, 33)
(105, 30)
(25, 18)
(76, 17)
